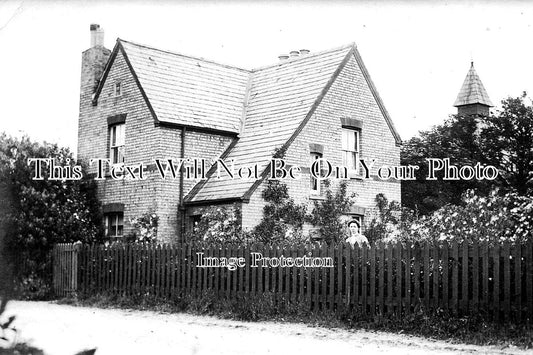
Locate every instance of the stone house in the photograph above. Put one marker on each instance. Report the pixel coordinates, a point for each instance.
(139, 104)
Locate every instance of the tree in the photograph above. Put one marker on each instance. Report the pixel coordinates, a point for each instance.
(41, 213)
(503, 140)
(507, 143)
(457, 139)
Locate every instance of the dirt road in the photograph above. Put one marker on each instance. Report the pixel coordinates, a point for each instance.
(62, 329)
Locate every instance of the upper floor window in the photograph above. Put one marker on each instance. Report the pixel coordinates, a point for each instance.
(351, 143)
(118, 88)
(315, 184)
(116, 143)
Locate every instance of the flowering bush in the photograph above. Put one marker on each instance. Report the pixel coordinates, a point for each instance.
(145, 227)
(492, 218)
(218, 224)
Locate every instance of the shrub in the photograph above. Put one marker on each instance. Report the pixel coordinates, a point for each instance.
(33, 287)
(326, 214)
(145, 227)
(392, 221)
(493, 218)
(36, 214)
(283, 219)
(218, 224)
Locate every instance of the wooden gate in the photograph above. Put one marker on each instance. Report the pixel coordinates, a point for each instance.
(65, 259)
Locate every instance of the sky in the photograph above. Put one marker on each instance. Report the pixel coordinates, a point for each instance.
(417, 53)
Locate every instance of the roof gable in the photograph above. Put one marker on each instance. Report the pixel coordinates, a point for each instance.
(472, 91)
(282, 99)
(185, 90)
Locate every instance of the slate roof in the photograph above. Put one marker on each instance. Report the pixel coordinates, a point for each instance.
(472, 91)
(187, 90)
(264, 108)
(279, 100)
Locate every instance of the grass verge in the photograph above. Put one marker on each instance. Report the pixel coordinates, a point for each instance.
(469, 329)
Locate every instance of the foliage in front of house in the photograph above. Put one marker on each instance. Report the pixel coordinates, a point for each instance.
(326, 214)
(36, 214)
(145, 227)
(218, 224)
(282, 218)
(492, 218)
(392, 222)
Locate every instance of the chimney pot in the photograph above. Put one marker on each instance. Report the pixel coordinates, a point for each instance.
(304, 51)
(97, 35)
(294, 54)
(283, 57)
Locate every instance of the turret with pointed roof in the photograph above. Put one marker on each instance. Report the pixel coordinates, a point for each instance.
(473, 98)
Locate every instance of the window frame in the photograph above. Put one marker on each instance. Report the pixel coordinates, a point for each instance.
(117, 93)
(115, 217)
(346, 151)
(194, 221)
(117, 149)
(314, 186)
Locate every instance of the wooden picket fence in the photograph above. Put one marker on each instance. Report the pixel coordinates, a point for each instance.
(386, 279)
(65, 268)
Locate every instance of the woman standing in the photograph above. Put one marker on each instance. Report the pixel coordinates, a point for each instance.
(355, 234)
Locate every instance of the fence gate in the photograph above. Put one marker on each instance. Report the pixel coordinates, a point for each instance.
(65, 259)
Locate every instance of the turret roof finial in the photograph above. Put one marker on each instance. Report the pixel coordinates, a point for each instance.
(472, 91)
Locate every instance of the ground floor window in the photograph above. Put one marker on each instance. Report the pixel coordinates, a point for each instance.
(114, 224)
(194, 221)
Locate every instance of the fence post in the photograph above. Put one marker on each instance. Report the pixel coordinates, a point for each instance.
(74, 267)
(65, 268)
(55, 269)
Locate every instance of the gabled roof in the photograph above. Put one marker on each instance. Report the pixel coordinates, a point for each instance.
(472, 91)
(281, 98)
(186, 90)
(265, 107)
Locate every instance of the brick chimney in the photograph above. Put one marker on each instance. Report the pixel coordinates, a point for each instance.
(93, 61)
(97, 35)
